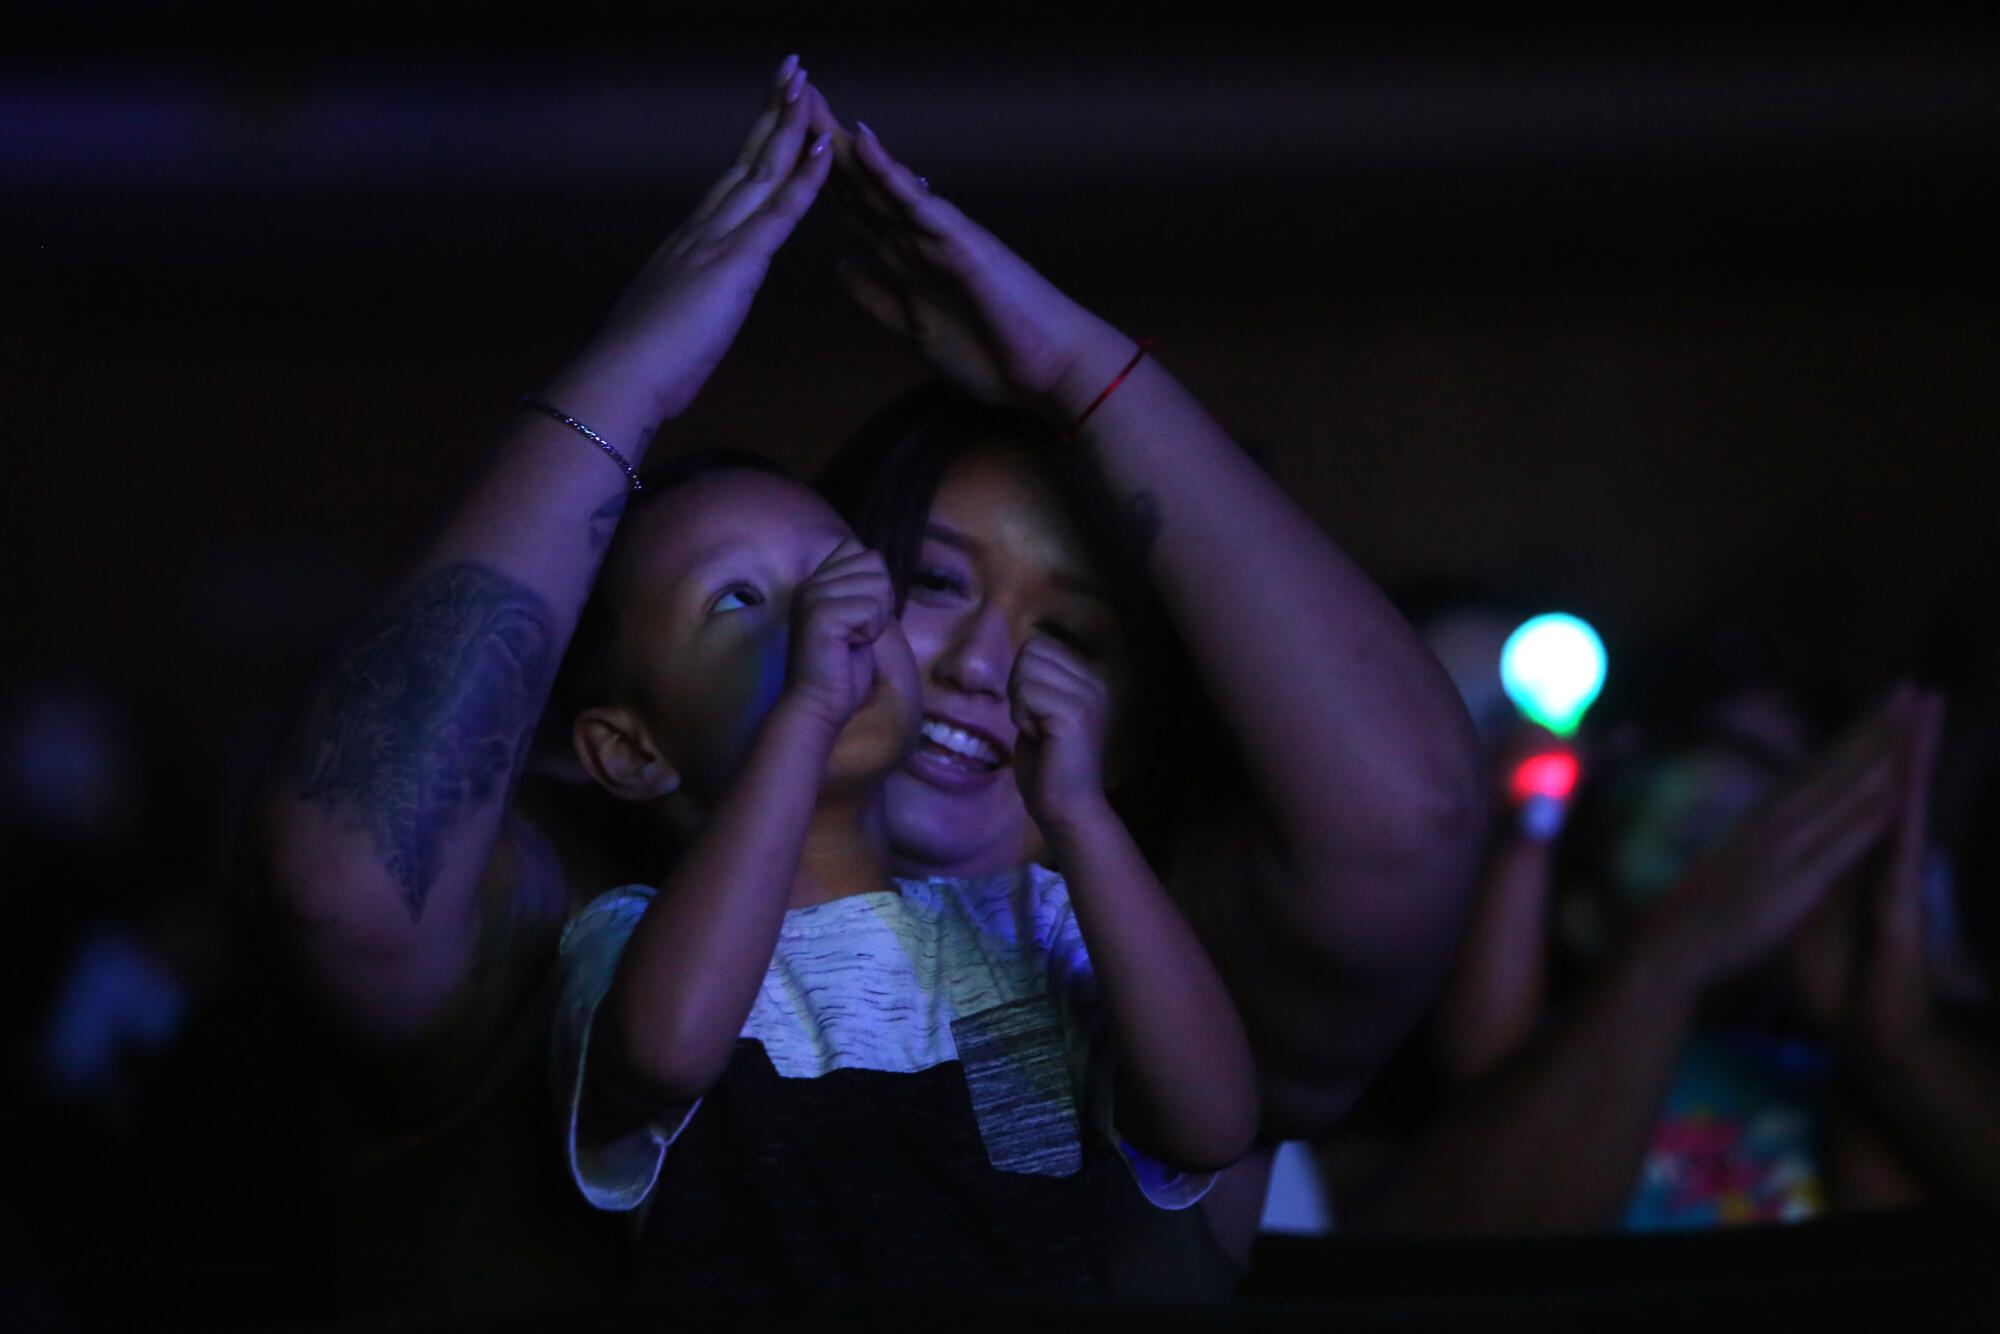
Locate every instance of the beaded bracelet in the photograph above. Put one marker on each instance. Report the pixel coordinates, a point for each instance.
(548, 409)
(1145, 346)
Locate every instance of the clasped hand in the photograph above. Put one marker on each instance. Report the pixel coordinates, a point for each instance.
(838, 615)
(981, 316)
(1061, 712)
(1801, 873)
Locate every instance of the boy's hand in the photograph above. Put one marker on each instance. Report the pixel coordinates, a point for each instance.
(1062, 711)
(837, 615)
(677, 318)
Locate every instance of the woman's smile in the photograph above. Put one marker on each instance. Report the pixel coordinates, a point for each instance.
(957, 755)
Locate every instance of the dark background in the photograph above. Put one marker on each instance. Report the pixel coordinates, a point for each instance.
(1671, 318)
(1645, 316)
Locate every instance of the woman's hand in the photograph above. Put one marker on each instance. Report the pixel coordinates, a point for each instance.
(983, 318)
(677, 318)
(1061, 711)
(837, 615)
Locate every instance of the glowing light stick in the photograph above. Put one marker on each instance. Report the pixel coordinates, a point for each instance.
(1552, 667)
(1552, 775)
(1540, 788)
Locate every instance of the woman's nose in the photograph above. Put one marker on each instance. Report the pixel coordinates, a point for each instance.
(979, 655)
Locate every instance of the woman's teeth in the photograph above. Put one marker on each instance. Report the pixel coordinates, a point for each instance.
(961, 744)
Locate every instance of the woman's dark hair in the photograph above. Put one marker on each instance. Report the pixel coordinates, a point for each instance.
(884, 480)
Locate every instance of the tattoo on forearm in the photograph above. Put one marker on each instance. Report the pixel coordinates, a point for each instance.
(1142, 523)
(604, 520)
(426, 715)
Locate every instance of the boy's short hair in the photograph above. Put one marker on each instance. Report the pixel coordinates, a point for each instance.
(589, 672)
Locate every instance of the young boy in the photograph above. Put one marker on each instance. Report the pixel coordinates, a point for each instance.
(814, 1076)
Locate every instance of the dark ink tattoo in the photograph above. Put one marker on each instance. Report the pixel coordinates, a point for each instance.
(604, 520)
(427, 714)
(1142, 523)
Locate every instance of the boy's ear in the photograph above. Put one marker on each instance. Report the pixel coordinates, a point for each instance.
(615, 748)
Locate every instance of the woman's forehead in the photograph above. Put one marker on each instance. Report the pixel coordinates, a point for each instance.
(1000, 495)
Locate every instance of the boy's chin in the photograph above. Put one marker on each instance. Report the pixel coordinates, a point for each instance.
(868, 751)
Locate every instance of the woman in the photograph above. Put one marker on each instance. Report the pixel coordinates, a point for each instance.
(1331, 890)
(416, 909)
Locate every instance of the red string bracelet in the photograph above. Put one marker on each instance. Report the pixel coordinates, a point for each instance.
(1145, 346)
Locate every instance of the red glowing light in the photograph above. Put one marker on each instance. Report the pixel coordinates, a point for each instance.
(1550, 775)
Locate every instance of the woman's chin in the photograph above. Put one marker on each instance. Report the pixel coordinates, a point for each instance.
(954, 830)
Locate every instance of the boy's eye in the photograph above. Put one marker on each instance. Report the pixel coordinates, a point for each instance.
(736, 599)
(933, 579)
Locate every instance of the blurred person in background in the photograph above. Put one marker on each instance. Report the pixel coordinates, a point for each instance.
(1684, 1078)
(131, 1013)
(1904, 977)
(73, 795)
(135, 941)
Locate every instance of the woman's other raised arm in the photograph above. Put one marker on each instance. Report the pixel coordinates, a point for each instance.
(1335, 928)
(375, 848)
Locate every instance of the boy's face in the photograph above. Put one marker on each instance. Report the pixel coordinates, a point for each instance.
(706, 622)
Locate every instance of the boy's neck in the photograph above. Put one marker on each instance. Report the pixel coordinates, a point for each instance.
(846, 850)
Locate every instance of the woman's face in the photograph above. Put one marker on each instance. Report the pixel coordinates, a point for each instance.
(706, 625)
(1002, 561)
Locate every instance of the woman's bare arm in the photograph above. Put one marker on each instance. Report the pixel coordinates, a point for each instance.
(372, 839)
(1358, 749)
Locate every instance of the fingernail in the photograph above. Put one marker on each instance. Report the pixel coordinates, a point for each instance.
(819, 144)
(796, 86)
(786, 69)
(870, 133)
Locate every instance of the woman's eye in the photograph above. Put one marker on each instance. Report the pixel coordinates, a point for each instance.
(736, 599)
(1076, 641)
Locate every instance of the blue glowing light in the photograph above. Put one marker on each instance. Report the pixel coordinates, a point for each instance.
(1553, 667)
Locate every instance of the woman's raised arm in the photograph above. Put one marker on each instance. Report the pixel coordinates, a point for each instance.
(376, 848)
(1362, 760)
